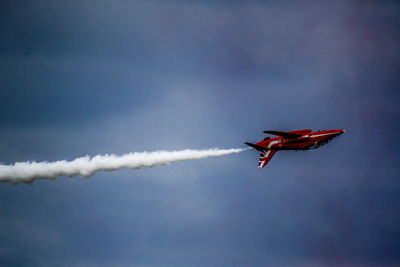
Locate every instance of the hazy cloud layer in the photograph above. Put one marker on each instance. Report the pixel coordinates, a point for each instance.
(94, 77)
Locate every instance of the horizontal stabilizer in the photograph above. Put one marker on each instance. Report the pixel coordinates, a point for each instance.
(265, 155)
(283, 134)
(259, 148)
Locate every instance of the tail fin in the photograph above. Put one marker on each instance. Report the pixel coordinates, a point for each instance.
(265, 155)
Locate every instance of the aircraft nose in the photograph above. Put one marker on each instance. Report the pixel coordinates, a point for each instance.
(341, 131)
(338, 132)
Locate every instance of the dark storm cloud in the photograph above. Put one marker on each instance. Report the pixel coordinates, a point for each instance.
(88, 77)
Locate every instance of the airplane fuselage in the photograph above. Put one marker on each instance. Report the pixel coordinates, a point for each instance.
(294, 140)
(306, 140)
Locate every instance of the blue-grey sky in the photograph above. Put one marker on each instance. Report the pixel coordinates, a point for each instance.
(90, 77)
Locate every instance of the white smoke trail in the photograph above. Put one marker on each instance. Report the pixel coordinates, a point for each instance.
(28, 172)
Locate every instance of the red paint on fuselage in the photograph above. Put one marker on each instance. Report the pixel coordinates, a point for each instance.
(307, 140)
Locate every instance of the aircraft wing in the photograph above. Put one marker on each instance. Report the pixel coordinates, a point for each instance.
(284, 134)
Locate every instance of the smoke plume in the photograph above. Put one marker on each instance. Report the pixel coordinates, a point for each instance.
(28, 172)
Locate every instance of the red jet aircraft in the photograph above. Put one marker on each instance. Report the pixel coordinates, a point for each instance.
(294, 140)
